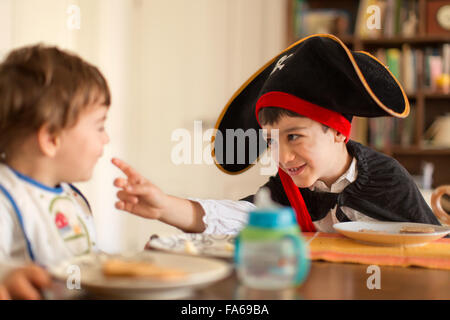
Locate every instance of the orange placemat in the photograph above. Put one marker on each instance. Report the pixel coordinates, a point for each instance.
(337, 248)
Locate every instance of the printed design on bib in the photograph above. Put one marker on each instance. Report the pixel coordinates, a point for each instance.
(64, 212)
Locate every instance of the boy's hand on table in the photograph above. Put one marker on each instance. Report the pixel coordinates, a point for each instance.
(25, 283)
(138, 195)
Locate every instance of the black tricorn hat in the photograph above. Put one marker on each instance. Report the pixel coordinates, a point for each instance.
(317, 77)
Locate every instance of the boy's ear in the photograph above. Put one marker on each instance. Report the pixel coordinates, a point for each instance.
(48, 142)
(339, 137)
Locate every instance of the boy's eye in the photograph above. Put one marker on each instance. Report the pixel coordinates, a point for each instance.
(292, 137)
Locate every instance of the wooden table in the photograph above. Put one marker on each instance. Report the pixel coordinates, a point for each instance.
(325, 281)
(344, 281)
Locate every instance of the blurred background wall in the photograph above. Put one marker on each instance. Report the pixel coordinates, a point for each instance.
(169, 63)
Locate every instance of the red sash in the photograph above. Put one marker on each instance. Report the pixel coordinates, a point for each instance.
(296, 200)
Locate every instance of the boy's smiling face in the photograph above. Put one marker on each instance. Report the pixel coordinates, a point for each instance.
(82, 145)
(306, 152)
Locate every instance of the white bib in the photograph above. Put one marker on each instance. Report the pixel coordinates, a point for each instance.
(56, 223)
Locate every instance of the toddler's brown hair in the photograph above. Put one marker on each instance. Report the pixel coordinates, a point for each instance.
(45, 85)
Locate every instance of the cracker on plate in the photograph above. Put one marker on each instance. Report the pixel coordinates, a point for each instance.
(121, 268)
(416, 229)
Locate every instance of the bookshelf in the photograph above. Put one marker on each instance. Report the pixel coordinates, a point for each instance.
(407, 41)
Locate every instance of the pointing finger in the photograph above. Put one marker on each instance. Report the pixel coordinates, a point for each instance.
(127, 169)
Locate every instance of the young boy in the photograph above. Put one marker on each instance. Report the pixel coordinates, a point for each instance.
(309, 93)
(53, 107)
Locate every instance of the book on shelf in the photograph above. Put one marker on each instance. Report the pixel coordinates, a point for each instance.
(410, 18)
(435, 62)
(387, 18)
(446, 58)
(408, 69)
(402, 64)
(436, 68)
(386, 132)
(389, 30)
(311, 21)
(393, 58)
(408, 64)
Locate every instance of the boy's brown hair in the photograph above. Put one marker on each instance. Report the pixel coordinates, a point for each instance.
(45, 85)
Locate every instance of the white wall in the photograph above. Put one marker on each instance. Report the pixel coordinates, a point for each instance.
(168, 63)
(5, 27)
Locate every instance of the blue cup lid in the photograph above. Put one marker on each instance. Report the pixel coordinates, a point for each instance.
(272, 218)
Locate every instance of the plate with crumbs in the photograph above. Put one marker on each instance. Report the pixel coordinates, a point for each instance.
(196, 244)
(392, 233)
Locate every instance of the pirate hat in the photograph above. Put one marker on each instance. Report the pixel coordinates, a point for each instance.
(317, 77)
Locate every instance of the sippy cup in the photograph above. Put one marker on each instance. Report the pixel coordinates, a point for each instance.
(270, 252)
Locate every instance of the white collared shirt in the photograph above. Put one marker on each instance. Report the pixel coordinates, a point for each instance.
(229, 217)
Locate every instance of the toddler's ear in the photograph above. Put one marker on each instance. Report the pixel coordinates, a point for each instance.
(48, 142)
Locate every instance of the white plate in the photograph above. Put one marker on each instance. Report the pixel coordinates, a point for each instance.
(219, 246)
(388, 233)
(200, 272)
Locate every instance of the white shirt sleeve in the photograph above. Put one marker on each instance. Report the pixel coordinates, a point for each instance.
(230, 217)
(225, 216)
